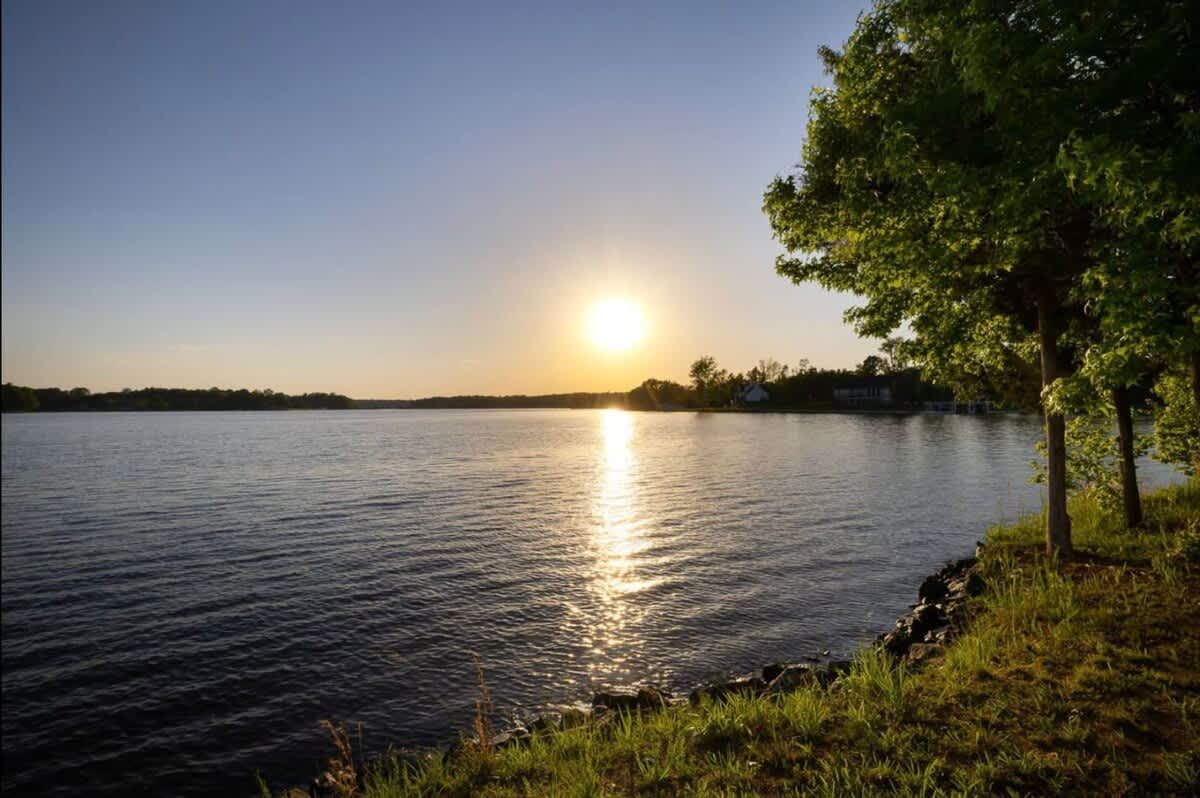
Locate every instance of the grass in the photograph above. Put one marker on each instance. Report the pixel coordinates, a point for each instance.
(1075, 678)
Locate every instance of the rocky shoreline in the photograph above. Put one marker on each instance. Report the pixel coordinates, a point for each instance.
(941, 612)
(938, 616)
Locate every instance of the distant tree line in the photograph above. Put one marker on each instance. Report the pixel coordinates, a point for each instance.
(21, 399)
(802, 386)
(578, 401)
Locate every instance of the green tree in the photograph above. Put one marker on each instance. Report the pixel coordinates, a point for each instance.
(768, 370)
(702, 372)
(1177, 423)
(1114, 85)
(871, 366)
(659, 395)
(930, 187)
(894, 355)
(17, 399)
(1139, 162)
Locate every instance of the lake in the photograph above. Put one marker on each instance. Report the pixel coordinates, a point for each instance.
(185, 595)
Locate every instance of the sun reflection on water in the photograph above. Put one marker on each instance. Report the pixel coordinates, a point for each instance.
(618, 538)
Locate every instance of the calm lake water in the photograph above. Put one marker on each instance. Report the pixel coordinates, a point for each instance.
(186, 595)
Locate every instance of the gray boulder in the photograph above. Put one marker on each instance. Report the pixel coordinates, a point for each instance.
(793, 676)
(644, 698)
(720, 690)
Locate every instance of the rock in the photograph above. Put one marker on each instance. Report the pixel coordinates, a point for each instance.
(922, 651)
(942, 608)
(793, 676)
(952, 570)
(897, 641)
(937, 635)
(926, 613)
(324, 786)
(721, 690)
(624, 701)
(961, 586)
(924, 618)
(644, 698)
(932, 589)
(940, 635)
(513, 736)
(956, 613)
(652, 698)
(544, 724)
(769, 672)
(975, 584)
(838, 666)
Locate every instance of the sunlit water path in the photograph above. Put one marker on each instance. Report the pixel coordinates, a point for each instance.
(186, 595)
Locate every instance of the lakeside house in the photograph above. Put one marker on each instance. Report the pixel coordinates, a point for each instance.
(751, 394)
(975, 407)
(864, 392)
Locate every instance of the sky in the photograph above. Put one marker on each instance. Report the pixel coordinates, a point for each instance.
(392, 200)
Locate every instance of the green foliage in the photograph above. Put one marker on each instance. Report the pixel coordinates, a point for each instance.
(876, 679)
(713, 385)
(871, 366)
(1177, 424)
(660, 395)
(982, 171)
(1093, 459)
(56, 399)
(1187, 543)
(915, 194)
(805, 712)
(802, 387)
(18, 399)
(768, 370)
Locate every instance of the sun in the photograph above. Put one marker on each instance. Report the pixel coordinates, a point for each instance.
(615, 324)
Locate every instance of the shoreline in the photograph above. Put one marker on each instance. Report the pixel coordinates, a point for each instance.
(981, 629)
(938, 617)
(936, 620)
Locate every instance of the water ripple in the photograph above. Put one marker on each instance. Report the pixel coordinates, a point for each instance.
(186, 595)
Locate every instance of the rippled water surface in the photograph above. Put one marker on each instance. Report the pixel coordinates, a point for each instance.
(185, 595)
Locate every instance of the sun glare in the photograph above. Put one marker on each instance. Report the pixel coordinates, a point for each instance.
(615, 324)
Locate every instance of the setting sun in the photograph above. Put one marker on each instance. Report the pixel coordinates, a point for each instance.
(615, 324)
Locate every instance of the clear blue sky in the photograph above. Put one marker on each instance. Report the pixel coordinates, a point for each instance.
(398, 199)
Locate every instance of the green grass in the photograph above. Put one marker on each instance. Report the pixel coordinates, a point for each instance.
(1075, 678)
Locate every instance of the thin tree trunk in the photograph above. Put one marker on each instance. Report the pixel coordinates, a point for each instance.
(1129, 486)
(1058, 523)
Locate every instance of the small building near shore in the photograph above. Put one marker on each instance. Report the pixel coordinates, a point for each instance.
(751, 394)
(864, 392)
(971, 408)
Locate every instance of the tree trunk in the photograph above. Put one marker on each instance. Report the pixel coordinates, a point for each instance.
(1058, 523)
(1129, 486)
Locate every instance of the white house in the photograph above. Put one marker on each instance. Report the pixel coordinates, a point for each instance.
(754, 392)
